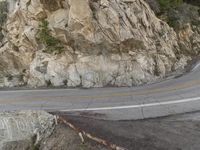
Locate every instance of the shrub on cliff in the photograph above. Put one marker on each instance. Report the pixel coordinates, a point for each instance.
(168, 4)
(3, 11)
(3, 15)
(52, 45)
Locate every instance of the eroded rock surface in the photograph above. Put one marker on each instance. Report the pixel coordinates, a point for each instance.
(104, 42)
(29, 127)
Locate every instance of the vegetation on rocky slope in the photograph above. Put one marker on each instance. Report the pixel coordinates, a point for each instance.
(106, 43)
(3, 15)
(184, 17)
(52, 45)
(176, 12)
(169, 4)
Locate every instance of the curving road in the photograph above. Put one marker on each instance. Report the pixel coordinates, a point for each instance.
(171, 96)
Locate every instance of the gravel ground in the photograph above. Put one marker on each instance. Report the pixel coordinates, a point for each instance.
(179, 132)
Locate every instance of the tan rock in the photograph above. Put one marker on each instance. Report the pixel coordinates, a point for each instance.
(106, 43)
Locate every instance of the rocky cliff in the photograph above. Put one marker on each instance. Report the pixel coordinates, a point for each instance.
(90, 43)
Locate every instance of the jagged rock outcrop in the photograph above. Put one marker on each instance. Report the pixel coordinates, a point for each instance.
(184, 17)
(103, 42)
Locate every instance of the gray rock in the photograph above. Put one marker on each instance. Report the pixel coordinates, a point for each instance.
(105, 43)
(24, 126)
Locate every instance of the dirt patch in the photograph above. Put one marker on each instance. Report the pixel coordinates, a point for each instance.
(64, 138)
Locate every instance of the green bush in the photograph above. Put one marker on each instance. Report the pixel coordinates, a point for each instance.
(168, 4)
(35, 147)
(166, 8)
(52, 45)
(3, 15)
(3, 12)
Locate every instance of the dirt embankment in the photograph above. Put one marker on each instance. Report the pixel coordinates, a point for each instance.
(38, 130)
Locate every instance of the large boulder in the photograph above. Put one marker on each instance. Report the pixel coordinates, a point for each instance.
(25, 126)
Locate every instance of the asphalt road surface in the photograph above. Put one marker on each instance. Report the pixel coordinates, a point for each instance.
(179, 132)
(171, 96)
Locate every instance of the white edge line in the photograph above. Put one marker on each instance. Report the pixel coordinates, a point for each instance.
(135, 106)
(196, 66)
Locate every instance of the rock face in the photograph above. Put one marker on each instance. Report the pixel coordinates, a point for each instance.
(104, 43)
(185, 19)
(30, 126)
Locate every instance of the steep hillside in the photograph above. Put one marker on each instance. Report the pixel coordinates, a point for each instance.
(90, 43)
(184, 17)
